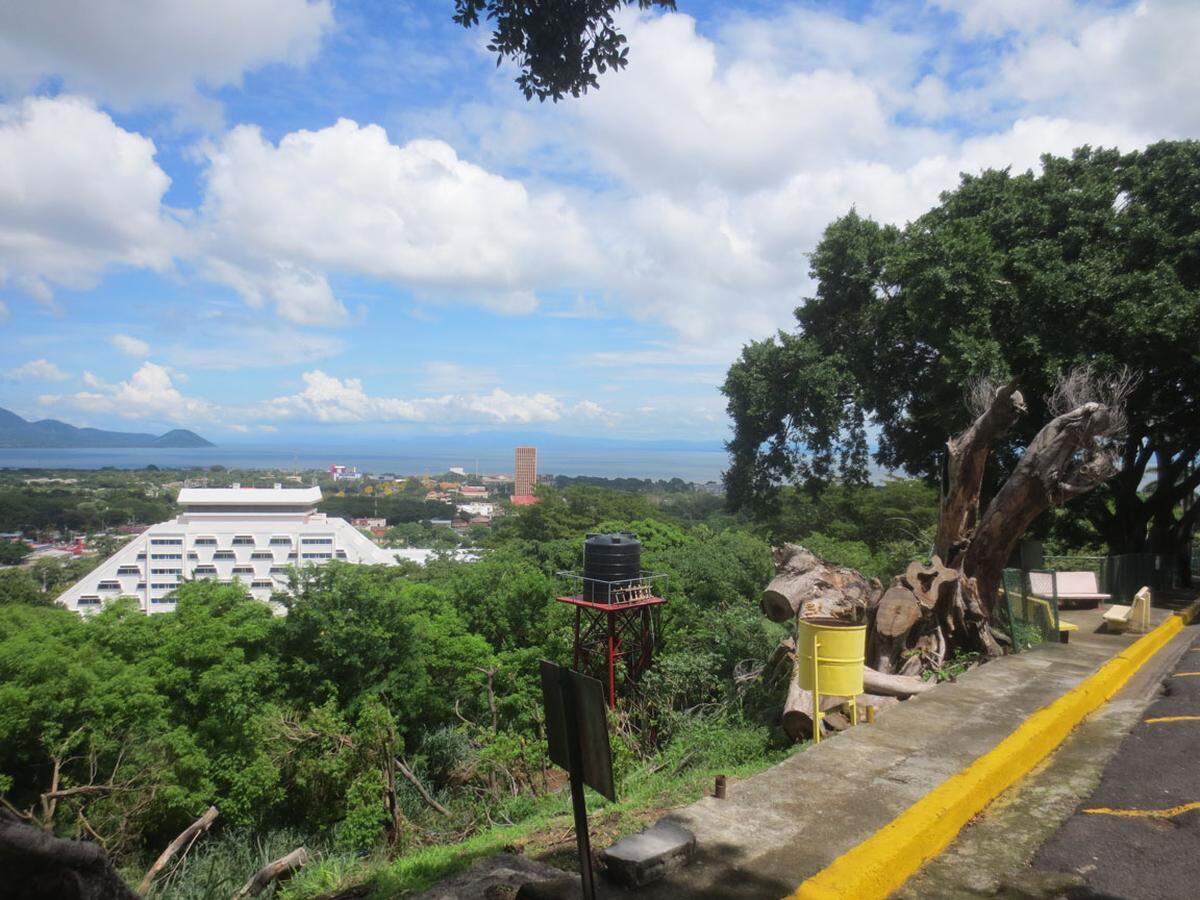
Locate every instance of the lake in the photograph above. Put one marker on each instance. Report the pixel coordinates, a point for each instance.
(616, 462)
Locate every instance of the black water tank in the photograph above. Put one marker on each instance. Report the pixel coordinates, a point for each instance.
(609, 558)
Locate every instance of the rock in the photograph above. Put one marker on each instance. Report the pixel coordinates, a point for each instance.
(647, 856)
(498, 877)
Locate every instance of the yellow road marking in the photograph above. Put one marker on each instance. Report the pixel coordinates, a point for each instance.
(1169, 813)
(1158, 719)
(875, 868)
(1184, 674)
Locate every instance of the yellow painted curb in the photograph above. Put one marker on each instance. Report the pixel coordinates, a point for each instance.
(883, 862)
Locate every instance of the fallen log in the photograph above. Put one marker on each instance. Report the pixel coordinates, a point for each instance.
(276, 869)
(186, 837)
(425, 795)
(875, 682)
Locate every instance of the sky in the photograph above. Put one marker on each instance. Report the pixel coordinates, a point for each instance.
(269, 219)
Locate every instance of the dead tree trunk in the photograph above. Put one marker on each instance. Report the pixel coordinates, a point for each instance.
(1064, 461)
(279, 868)
(186, 838)
(967, 454)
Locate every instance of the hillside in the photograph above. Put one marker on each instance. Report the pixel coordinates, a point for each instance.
(51, 433)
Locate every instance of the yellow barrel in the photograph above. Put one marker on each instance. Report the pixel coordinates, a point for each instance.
(840, 651)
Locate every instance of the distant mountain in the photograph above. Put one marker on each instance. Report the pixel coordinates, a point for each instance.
(16, 432)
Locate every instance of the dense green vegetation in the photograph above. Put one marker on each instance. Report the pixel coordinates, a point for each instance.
(1092, 261)
(290, 725)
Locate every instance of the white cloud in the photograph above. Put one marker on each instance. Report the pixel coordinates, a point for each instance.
(78, 196)
(149, 393)
(279, 219)
(1137, 65)
(37, 370)
(4, 313)
(326, 398)
(442, 377)
(237, 345)
(998, 17)
(130, 345)
(129, 54)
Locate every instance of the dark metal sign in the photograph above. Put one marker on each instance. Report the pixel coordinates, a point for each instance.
(577, 735)
(590, 715)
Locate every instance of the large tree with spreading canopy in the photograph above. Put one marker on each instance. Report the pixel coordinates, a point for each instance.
(1016, 278)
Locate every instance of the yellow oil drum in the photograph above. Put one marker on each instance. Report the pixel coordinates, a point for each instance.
(840, 648)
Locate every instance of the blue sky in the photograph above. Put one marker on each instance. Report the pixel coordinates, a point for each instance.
(265, 219)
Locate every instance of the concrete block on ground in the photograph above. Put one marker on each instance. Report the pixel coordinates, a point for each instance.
(647, 856)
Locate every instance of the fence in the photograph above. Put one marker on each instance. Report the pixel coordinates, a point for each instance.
(1125, 574)
(1031, 620)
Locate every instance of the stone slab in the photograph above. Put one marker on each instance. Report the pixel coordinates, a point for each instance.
(645, 857)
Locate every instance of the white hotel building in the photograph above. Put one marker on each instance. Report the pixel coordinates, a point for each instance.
(252, 535)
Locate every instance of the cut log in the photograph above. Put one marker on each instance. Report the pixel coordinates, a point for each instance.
(272, 871)
(897, 612)
(875, 682)
(797, 711)
(185, 838)
(803, 585)
(783, 597)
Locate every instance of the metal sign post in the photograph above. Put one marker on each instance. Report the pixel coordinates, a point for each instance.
(577, 736)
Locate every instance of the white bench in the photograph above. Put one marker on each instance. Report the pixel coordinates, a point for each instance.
(1067, 587)
(1134, 618)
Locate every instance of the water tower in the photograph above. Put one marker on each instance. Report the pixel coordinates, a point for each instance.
(616, 612)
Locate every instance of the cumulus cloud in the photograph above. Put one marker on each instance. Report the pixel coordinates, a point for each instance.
(157, 53)
(130, 345)
(149, 393)
(37, 370)
(78, 196)
(326, 398)
(1136, 65)
(278, 220)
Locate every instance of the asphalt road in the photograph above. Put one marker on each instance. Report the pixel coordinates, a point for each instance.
(1141, 837)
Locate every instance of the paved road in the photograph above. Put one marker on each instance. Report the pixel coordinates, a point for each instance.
(1138, 835)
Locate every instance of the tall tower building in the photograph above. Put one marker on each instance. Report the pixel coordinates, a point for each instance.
(526, 472)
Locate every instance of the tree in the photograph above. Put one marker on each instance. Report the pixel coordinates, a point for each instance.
(559, 45)
(1096, 261)
(13, 552)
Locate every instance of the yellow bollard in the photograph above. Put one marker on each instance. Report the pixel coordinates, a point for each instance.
(831, 662)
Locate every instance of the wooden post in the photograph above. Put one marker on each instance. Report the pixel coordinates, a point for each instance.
(719, 788)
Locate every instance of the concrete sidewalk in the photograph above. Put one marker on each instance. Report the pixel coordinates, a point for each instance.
(784, 825)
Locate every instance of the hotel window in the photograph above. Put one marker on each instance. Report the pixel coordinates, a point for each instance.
(108, 586)
(163, 585)
(141, 585)
(129, 570)
(262, 554)
(281, 541)
(142, 555)
(341, 554)
(243, 570)
(259, 583)
(243, 540)
(164, 571)
(316, 540)
(205, 542)
(166, 542)
(293, 555)
(89, 600)
(279, 570)
(162, 599)
(203, 571)
(193, 555)
(166, 556)
(318, 555)
(224, 554)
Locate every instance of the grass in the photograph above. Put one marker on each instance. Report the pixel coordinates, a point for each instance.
(545, 832)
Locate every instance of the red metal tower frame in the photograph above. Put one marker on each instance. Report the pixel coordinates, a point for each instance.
(614, 642)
